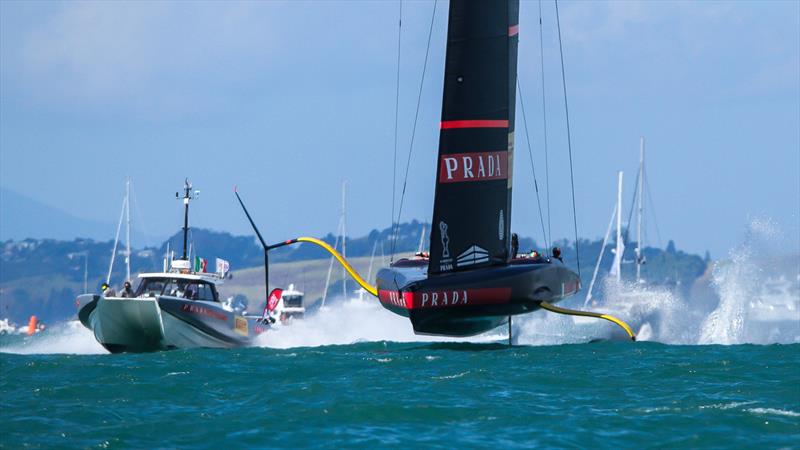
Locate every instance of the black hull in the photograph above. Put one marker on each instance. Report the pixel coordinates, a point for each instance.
(470, 303)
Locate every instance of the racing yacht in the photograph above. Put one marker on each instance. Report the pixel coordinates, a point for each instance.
(471, 280)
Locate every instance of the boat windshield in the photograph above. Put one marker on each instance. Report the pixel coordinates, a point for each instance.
(293, 301)
(177, 287)
(150, 287)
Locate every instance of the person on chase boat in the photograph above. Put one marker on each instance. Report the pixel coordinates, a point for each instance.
(127, 292)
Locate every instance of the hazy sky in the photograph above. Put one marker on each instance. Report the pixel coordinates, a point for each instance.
(287, 99)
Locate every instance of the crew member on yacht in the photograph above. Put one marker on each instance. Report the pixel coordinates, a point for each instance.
(127, 292)
(557, 254)
(514, 245)
(108, 291)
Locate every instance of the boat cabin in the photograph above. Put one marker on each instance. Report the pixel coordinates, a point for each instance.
(293, 303)
(186, 286)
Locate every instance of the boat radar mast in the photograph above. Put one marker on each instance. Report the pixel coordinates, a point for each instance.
(188, 195)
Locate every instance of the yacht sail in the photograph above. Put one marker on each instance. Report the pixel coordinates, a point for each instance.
(472, 205)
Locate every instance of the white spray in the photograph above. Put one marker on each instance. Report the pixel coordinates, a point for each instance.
(349, 322)
(63, 338)
(757, 300)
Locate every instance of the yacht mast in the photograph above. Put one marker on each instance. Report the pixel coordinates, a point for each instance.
(116, 240)
(128, 229)
(620, 248)
(330, 265)
(344, 238)
(371, 260)
(599, 258)
(640, 211)
(86, 273)
(363, 291)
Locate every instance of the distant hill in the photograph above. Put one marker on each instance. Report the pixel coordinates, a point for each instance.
(24, 218)
(38, 275)
(245, 251)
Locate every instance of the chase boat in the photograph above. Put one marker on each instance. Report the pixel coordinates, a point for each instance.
(176, 308)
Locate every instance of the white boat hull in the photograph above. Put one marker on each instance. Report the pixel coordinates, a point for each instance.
(131, 324)
(164, 323)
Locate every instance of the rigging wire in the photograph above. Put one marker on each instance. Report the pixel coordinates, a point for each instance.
(636, 194)
(544, 119)
(652, 207)
(330, 265)
(569, 142)
(533, 169)
(396, 114)
(137, 214)
(414, 130)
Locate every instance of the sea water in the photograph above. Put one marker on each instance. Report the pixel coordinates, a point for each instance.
(724, 374)
(427, 394)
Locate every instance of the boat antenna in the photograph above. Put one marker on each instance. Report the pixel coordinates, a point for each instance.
(188, 195)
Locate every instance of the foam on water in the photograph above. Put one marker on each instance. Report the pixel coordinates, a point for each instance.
(63, 338)
(654, 313)
(758, 302)
(773, 411)
(349, 322)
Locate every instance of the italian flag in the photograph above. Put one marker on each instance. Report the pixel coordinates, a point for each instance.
(200, 264)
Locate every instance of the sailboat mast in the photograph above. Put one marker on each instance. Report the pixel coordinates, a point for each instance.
(116, 241)
(330, 265)
(620, 247)
(371, 260)
(128, 229)
(640, 211)
(600, 258)
(86, 273)
(344, 238)
(362, 291)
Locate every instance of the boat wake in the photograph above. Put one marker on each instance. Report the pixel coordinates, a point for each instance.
(754, 299)
(63, 338)
(354, 321)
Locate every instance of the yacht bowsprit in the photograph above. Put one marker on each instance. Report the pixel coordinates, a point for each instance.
(177, 308)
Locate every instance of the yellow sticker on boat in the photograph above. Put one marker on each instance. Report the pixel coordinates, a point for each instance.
(240, 325)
